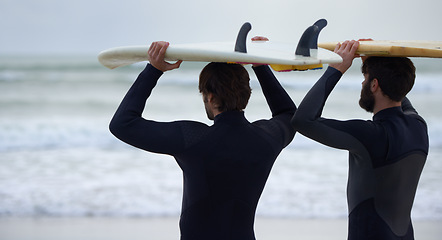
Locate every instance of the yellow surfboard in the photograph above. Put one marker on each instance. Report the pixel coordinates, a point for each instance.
(395, 48)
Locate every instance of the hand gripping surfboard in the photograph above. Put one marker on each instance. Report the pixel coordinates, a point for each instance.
(280, 56)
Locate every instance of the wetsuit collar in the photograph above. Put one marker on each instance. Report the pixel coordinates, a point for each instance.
(231, 117)
(387, 112)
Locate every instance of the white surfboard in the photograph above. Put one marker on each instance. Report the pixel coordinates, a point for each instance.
(257, 52)
(280, 56)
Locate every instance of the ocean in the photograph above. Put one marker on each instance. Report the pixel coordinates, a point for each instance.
(58, 158)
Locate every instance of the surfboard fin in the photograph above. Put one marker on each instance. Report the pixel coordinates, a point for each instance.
(309, 39)
(240, 45)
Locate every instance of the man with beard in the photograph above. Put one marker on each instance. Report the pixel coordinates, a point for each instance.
(386, 155)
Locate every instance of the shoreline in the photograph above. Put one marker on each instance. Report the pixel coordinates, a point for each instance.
(166, 228)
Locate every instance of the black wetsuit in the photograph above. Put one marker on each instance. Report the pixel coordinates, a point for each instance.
(225, 166)
(386, 157)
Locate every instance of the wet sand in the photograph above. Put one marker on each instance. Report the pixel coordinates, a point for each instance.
(167, 229)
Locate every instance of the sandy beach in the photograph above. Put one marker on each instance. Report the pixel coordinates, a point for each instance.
(167, 229)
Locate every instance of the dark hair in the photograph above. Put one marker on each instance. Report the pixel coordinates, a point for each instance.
(229, 84)
(395, 75)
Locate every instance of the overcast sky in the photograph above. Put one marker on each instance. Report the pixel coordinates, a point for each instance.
(89, 26)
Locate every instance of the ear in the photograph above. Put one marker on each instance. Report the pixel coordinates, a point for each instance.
(206, 97)
(209, 97)
(374, 85)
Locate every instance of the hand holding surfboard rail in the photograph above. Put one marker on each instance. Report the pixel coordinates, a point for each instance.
(280, 56)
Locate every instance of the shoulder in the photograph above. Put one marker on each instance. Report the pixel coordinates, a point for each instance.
(415, 117)
(365, 131)
(353, 125)
(189, 126)
(192, 131)
(277, 128)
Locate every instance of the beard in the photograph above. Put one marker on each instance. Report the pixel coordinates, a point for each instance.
(367, 99)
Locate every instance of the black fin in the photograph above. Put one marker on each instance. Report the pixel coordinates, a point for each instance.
(321, 23)
(241, 39)
(309, 39)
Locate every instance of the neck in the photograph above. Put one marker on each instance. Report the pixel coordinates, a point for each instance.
(216, 112)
